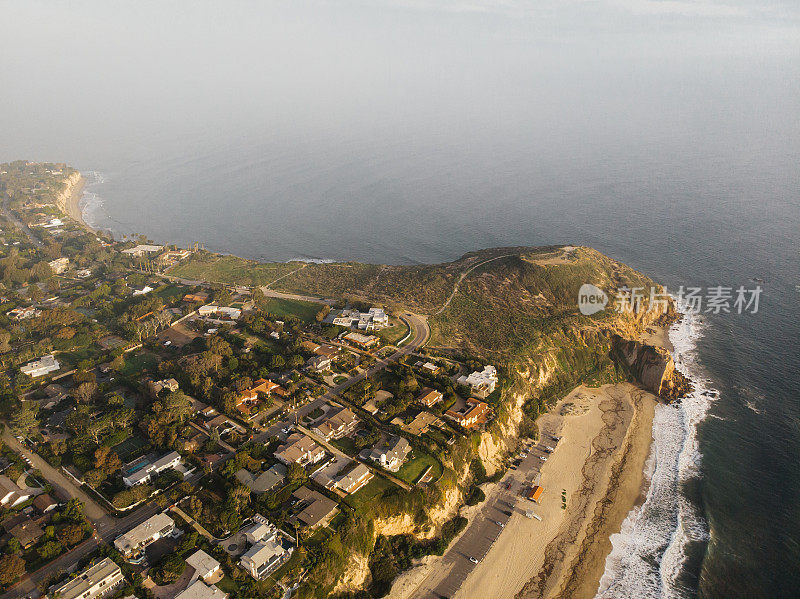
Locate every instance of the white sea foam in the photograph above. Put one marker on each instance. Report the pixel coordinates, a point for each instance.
(649, 552)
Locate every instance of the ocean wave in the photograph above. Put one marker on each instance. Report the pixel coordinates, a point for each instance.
(91, 203)
(649, 553)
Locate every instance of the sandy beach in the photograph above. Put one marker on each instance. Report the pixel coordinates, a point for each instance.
(591, 481)
(72, 206)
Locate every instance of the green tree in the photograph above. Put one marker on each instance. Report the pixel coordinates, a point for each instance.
(24, 420)
(50, 550)
(12, 568)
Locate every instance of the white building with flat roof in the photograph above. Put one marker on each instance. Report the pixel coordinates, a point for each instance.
(59, 265)
(204, 565)
(40, 367)
(482, 382)
(142, 249)
(133, 542)
(147, 472)
(98, 580)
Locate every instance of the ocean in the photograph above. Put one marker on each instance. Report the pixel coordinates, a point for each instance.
(665, 134)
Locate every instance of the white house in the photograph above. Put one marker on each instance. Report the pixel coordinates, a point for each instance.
(267, 553)
(482, 383)
(133, 542)
(142, 249)
(98, 580)
(200, 590)
(264, 558)
(59, 265)
(204, 565)
(40, 367)
(148, 471)
(391, 455)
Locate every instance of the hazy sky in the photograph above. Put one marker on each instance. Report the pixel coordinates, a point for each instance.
(94, 83)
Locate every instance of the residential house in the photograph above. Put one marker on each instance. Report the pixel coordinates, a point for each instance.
(142, 249)
(267, 552)
(371, 407)
(362, 341)
(429, 397)
(421, 423)
(312, 509)
(222, 425)
(27, 533)
(222, 311)
(471, 414)
(143, 473)
(200, 590)
(10, 494)
(430, 368)
(392, 454)
(23, 313)
(44, 503)
(59, 265)
(264, 557)
(40, 367)
(482, 383)
(197, 297)
(340, 424)
(55, 394)
(309, 346)
(319, 363)
(299, 449)
(133, 543)
(355, 479)
(156, 387)
(327, 350)
(205, 566)
(265, 481)
(96, 581)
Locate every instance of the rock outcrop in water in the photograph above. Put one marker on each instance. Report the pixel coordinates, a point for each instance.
(653, 368)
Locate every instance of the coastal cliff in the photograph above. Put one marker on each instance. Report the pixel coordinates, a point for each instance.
(73, 184)
(653, 368)
(513, 307)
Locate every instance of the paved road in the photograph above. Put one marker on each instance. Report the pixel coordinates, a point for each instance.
(107, 527)
(483, 531)
(61, 483)
(18, 223)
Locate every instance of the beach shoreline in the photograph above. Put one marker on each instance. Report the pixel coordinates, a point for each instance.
(72, 206)
(599, 467)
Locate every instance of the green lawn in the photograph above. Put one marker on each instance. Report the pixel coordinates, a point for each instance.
(135, 364)
(170, 293)
(371, 491)
(230, 269)
(346, 444)
(281, 308)
(227, 585)
(391, 335)
(413, 469)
